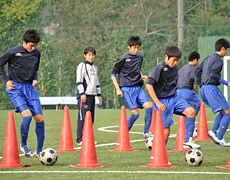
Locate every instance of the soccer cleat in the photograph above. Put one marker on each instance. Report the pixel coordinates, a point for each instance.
(212, 136)
(27, 152)
(191, 145)
(223, 142)
(37, 154)
(146, 135)
(79, 143)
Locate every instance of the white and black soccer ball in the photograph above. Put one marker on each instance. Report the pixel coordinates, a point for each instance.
(194, 157)
(195, 133)
(149, 142)
(48, 157)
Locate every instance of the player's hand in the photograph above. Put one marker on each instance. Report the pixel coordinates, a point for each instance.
(194, 87)
(100, 100)
(119, 93)
(228, 84)
(10, 85)
(35, 83)
(161, 106)
(84, 98)
(144, 78)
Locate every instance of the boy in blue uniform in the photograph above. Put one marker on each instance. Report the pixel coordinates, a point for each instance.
(128, 68)
(162, 89)
(87, 88)
(185, 82)
(23, 64)
(208, 77)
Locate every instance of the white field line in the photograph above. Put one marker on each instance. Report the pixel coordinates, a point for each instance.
(122, 172)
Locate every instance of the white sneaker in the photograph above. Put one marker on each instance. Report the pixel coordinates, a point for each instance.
(223, 142)
(191, 145)
(212, 136)
(37, 154)
(95, 142)
(27, 152)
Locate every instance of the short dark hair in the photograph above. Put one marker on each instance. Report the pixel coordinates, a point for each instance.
(31, 35)
(89, 49)
(173, 51)
(134, 40)
(193, 55)
(221, 43)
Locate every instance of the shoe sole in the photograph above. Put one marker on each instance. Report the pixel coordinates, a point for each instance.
(213, 140)
(190, 147)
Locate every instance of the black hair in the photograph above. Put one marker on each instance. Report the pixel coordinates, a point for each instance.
(173, 51)
(221, 43)
(134, 40)
(31, 35)
(89, 49)
(193, 55)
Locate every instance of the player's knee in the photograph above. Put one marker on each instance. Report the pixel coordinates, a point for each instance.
(190, 112)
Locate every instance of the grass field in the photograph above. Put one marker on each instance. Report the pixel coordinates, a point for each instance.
(120, 165)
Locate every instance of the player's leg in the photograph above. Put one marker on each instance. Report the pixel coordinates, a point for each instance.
(166, 134)
(183, 108)
(214, 98)
(143, 102)
(130, 95)
(80, 121)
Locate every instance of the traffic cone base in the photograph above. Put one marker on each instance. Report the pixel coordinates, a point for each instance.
(66, 140)
(87, 166)
(225, 167)
(10, 156)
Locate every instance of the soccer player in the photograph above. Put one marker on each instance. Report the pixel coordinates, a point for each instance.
(128, 68)
(208, 77)
(23, 64)
(87, 88)
(185, 82)
(162, 89)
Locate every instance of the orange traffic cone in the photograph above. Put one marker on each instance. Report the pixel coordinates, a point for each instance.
(88, 157)
(180, 135)
(226, 166)
(151, 128)
(66, 140)
(123, 142)
(202, 129)
(159, 158)
(10, 151)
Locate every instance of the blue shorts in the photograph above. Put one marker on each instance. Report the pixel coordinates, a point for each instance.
(214, 98)
(190, 96)
(174, 105)
(25, 96)
(134, 96)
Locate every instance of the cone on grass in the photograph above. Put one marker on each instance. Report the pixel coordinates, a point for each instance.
(180, 135)
(10, 157)
(202, 129)
(159, 158)
(151, 128)
(66, 140)
(123, 142)
(88, 157)
(226, 166)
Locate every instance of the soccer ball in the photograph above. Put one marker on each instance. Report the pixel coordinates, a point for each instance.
(194, 157)
(149, 142)
(48, 157)
(195, 133)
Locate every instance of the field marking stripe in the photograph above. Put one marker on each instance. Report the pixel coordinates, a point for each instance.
(126, 172)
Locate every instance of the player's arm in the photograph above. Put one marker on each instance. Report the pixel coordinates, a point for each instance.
(79, 82)
(3, 61)
(152, 94)
(115, 83)
(144, 78)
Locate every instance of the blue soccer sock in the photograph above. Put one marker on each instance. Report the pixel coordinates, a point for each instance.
(40, 132)
(216, 123)
(166, 141)
(132, 119)
(148, 119)
(197, 109)
(25, 129)
(223, 126)
(190, 126)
